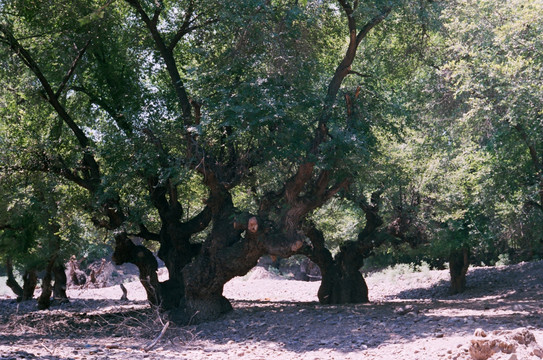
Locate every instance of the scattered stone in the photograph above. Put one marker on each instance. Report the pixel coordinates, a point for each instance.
(289, 323)
(403, 310)
(519, 342)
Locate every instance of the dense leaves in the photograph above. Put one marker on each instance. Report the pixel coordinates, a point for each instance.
(220, 131)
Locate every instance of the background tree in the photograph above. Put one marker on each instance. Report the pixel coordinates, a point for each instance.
(494, 69)
(39, 231)
(470, 162)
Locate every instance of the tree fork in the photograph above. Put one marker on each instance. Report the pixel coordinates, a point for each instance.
(342, 281)
(299, 207)
(232, 249)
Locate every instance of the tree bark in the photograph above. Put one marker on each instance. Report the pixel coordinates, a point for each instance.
(30, 280)
(236, 242)
(44, 301)
(128, 252)
(11, 282)
(342, 281)
(205, 277)
(458, 267)
(59, 289)
(176, 250)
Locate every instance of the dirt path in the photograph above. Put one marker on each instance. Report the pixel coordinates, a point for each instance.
(410, 317)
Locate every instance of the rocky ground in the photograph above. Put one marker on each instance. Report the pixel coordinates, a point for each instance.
(410, 317)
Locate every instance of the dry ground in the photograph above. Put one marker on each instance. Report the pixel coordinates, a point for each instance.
(410, 317)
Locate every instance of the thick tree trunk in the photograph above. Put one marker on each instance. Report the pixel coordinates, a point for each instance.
(172, 291)
(30, 280)
(176, 251)
(11, 282)
(44, 301)
(458, 267)
(205, 277)
(233, 247)
(59, 289)
(342, 282)
(341, 287)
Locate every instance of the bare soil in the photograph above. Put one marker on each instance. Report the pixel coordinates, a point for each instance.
(411, 316)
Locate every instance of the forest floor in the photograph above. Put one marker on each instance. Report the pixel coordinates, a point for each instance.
(411, 316)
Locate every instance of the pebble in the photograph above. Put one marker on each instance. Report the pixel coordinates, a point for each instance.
(371, 328)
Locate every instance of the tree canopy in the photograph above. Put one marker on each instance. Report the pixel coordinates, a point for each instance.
(216, 132)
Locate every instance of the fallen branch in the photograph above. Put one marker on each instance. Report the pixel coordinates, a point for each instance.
(52, 352)
(152, 345)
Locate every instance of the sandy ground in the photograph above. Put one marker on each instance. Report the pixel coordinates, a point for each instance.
(410, 317)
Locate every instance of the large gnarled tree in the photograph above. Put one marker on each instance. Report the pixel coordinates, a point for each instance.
(156, 94)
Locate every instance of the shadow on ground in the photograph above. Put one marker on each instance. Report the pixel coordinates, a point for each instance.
(495, 299)
(302, 327)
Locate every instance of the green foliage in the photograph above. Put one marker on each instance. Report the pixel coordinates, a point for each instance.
(434, 98)
(462, 176)
(339, 220)
(494, 69)
(40, 219)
